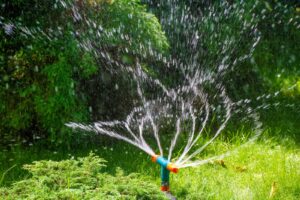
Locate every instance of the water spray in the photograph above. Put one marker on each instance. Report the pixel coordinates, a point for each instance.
(166, 168)
(196, 103)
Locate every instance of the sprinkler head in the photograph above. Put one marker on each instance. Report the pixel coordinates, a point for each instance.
(165, 168)
(163, 162)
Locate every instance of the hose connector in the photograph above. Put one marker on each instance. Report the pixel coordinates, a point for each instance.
(165, 163)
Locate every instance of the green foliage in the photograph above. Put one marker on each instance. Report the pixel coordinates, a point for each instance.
(276, 58)
(225, 32)
(123, 30)
(79, 179)
(88, 66)
(44, 79)
(40, 93)
(134, 20)
(275, 62)
(228, 35)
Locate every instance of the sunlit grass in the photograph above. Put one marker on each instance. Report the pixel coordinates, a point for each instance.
(260, 170)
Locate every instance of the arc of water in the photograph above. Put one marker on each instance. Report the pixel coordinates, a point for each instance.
(149, 115)
(192, 134)
(131, 133)
(155, 129)
(128, 122)
(191, 144)
(259, 131)
(118, 136)
(201, 162)
(97, 127)
(141, 127)
(192, 82)
(203, 98)
(228, 115)
(178, 130)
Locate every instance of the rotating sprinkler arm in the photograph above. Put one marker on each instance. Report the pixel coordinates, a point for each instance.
(166, 168)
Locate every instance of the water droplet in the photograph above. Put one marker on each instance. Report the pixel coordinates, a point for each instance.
(9, 29)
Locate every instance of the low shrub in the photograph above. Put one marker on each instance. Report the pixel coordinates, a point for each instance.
(79, 179)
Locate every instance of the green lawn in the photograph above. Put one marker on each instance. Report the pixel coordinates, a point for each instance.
(268, 168)
(258, 171)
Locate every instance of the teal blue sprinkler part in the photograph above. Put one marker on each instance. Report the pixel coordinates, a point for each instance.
(166, 167)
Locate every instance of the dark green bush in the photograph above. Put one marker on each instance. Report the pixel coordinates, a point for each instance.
(79, 179)
(47, 79)
(39, 94)
(277, 58)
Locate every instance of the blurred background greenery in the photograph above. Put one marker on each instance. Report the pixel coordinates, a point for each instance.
(45, 83)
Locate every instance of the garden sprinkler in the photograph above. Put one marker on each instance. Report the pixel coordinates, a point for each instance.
(166, 168)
